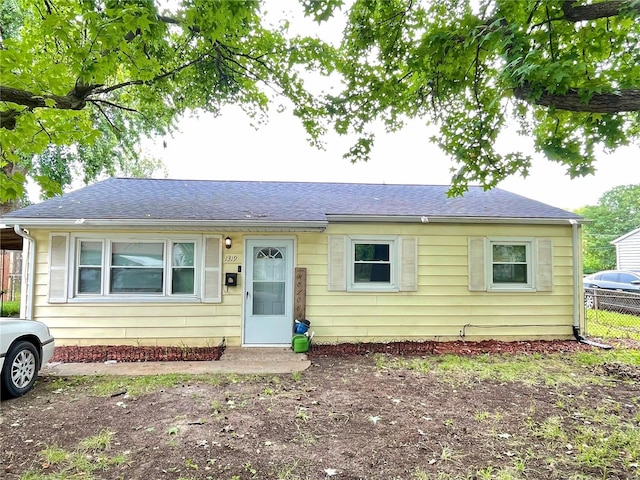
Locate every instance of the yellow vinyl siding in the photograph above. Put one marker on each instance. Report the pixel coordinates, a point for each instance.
(443, 304)
(135, 323)
(440, 308)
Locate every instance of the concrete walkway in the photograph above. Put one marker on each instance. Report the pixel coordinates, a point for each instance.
(241, 360)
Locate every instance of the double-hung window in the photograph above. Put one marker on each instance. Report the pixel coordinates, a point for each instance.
(373, 264)
(511, 264)
(136, 267)
(183, 271)
(89, 272)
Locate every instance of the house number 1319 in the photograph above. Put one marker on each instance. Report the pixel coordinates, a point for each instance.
(230, 258)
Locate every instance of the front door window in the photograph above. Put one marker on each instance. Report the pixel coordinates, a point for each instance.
(269, 275)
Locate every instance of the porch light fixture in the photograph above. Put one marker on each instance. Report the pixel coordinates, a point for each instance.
(227, 242)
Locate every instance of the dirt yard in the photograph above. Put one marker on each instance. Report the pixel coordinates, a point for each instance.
(542, 416)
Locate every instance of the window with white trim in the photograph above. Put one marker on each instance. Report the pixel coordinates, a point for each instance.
(373, 264)
(510, 263)
(518, 264)
(133, 267)
(89, 273)
(137, 267)
(183, 271)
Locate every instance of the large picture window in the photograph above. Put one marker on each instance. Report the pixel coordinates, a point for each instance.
(132, 267)
(136, 267)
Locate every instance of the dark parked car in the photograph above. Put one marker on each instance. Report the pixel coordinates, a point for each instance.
(613, 290)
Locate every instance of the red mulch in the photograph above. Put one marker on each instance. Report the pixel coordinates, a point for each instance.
(409, 348)
(126, 353)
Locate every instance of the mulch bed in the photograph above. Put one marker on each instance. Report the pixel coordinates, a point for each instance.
(409, 348)
(126, 353)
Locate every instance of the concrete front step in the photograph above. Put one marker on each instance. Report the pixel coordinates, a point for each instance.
(241, 360)
(261, 354)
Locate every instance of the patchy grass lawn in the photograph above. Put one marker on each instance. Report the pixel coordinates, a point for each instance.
(552, 416)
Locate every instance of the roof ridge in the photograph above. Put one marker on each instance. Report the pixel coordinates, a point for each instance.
(299, 182)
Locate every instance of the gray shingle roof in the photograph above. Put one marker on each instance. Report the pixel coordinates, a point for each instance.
(189, 200)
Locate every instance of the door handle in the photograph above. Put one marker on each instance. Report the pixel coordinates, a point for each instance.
(247, 294)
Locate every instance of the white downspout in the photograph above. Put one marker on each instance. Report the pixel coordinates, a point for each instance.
(28, 273)
(577, 290)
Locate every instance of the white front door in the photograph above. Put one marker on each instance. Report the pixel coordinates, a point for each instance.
(268, 310)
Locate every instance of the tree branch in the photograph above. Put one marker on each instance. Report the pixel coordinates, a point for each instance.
(104, 114)
(532, 12)
(45, 131)
(78, 97)
(30, 100)
(627, 100)
(175, 21)
(594, 11)
(96, 101)
(74, 100)
(229, 54)
(154, 79)
(550, 27)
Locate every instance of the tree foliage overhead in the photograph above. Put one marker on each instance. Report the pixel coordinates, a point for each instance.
(82, 81)
(617, 213)
(84, 78)
(565, 73)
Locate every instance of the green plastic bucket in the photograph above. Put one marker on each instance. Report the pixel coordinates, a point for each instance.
(300, 343)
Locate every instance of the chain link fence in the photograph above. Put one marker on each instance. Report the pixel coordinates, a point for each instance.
(612, 314)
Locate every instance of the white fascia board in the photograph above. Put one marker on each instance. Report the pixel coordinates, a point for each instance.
(509, 220)
(227, 225)
(373, 218)
(442, 219)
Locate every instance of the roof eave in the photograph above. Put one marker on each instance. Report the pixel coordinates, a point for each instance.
(452, 219)
(169, 224)
(267, 225)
